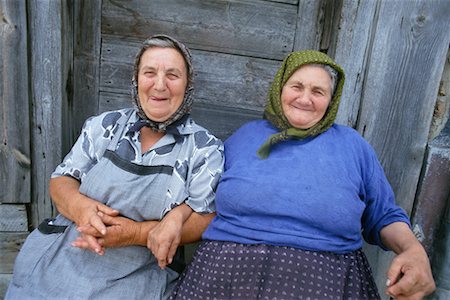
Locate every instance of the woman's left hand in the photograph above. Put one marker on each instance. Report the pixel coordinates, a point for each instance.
(409, 275)
(120, 232)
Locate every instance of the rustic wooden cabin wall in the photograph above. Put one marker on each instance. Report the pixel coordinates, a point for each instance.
(15, 161)
(393, 53)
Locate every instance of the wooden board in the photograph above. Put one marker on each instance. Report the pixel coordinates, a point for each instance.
(15, 158)
(87, 17)
(252, 28)
(4, 281)
(404, 67)
(48, 81)
(10, 244)
(220, 79)
(13, 218)
(401, 87)
(351, 51)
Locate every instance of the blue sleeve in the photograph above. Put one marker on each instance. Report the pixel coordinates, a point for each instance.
(381, 209)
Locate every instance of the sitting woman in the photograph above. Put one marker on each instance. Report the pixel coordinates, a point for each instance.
(297, 196)
(133, 173)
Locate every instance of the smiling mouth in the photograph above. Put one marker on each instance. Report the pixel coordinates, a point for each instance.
(300, 108)
(158, 99)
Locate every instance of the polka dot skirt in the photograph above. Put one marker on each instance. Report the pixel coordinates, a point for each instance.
(225, 270)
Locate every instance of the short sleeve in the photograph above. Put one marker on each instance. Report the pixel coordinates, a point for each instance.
(206, 168)
(94, 138)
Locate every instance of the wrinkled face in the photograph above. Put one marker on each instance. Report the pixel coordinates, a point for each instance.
(305, 96)
(162, 80)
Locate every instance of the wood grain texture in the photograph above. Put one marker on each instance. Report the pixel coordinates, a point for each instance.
(15, 157)
(404, 67)
(351, 50)
(10, 244)
(48, 83)
(4, 281)
(13, 217)
(252, 28)
(309, 25)
(220, 79)
(86, 49)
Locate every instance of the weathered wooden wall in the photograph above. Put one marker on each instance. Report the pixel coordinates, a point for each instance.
(81, 54)
(15, 158)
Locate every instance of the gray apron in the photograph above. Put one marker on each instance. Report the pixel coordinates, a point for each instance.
(48, 267)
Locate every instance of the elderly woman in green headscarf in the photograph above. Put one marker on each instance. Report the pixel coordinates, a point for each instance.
(298, 195)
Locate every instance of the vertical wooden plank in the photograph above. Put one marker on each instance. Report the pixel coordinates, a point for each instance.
(434, 187)
(441, 261)
(352, 47)
(403, 71)
(14, 104)
(10, 243)
(87, 26)
(310, 22)
(49, 75)
(13, 218)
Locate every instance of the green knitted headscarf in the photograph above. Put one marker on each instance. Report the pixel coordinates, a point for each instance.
(274, 111)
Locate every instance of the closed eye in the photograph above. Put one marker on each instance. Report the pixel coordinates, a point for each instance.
(173, 76)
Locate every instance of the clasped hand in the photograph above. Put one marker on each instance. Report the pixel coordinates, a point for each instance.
(164, 239)
(102, 227)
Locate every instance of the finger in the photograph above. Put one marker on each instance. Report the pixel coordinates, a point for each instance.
(394, 273)
(162, 254)
(96, 222)
(406, 286)
(107, 210)
(93, 244)
(80, 243)
(172, 251)
(107, 220)
(90, 230)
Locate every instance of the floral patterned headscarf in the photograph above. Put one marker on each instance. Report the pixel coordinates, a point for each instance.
(274, 111)
(161, 40)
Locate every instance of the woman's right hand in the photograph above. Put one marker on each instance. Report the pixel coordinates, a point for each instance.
(164, 239)
(82, 210)
(88, 214)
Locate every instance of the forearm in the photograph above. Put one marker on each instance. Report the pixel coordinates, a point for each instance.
(179, 215)
(65, 194)
(194, 227)
(398, 237)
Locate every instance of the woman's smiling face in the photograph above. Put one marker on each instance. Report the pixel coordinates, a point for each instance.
(162, 81)
(306, 95)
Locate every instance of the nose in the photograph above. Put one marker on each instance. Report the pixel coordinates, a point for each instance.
(160, 83)
(304, 98)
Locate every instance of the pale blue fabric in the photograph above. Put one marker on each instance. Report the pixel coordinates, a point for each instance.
(321, 193)
(48, 267)
(198, 166)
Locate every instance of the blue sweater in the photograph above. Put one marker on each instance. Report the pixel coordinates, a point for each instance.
(322, 193)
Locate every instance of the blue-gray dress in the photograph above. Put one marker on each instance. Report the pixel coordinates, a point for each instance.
(184, 166)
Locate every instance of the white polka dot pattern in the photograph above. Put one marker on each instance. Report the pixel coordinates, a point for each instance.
(224, 270)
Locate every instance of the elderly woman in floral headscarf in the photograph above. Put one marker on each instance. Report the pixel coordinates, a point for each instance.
(298, 195)
(134, 174)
